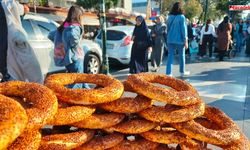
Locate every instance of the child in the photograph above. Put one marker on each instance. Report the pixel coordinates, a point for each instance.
(67, 38)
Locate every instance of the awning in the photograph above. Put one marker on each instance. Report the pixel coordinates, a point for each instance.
(91, 21)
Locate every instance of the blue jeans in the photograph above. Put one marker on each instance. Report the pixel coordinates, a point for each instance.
(76, 67)
(181, 51)
(239, 41)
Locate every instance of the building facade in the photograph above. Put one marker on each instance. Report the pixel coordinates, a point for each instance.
(125, 4)
(141, 6)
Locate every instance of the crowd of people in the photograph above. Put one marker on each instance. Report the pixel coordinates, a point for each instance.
(179, 35)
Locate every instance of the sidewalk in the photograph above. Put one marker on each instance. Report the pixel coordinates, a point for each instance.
(222, 84)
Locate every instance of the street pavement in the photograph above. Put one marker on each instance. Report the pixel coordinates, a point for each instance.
(223, 84)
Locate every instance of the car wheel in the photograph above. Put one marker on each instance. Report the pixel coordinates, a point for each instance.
(92, 64)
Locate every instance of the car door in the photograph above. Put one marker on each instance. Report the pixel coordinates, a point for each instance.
(37, 44)
(46, 47)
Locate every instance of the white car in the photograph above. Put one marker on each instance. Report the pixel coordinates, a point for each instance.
(38, 28)
(119, 44)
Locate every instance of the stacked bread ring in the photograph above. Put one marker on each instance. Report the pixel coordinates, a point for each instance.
(54, 117)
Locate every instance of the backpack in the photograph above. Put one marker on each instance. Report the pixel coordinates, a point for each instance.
(59, 51)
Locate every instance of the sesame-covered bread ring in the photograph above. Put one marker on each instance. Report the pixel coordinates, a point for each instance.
(134, 126)
(66, 141)
(172, 113)
(127, 104)
(164, 137)
(100, 121)
(112, 88)
(71, 114)
(183, 95)
(228, 134)
(43, 102)
(102, 142)
(240, 144)
(13, 120)
(140, 144)
(29, 140)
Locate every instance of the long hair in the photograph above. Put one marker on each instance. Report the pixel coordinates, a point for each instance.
(74, 16)
(176, 9)
(207, 23)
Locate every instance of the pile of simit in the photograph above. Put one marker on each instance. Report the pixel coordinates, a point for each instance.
(54, 117)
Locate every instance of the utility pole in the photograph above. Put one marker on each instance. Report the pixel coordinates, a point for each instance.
(160, 6)
(206, 8)
(105, 65)
(148, 13)
(34, 5)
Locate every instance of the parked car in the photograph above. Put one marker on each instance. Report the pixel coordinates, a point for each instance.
(38, 29)
(119, 44)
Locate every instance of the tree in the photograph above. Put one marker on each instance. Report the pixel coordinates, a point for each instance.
(89, 4)
(192, 8)
(223, 6)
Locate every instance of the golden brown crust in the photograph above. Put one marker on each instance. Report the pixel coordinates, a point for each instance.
(112, 90)
(66, 141)
(13, 120)
(173, 114)
(127, 104)
(225, 136)
(164, 137)
(71, 114)
(29, 140)
(183, 95)
(102, 142)
(141, 144)
(134, 126)
(100, 121)
(44, 101)
(240, 144)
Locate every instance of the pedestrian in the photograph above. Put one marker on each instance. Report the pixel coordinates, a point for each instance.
(67, 39)
(239, 35)
(207, 36)
(248, 42)
(224, 37)
(22, 63)
(190, 35)
(142, 45)
(158, 34)
(176, 38)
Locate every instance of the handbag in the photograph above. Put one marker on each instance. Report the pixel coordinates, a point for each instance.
(193, 47)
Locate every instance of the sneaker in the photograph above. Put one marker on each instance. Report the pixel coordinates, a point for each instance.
(186, 73)
(170, 75)
(212, 57)
(153, 69)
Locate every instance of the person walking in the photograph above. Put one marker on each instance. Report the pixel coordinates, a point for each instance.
(176, 38)
(158, 36)
(248, 42)
(224, 37)
(67, 39)
(141, 47)
(22, 63)
(207, 35)
(239, 35)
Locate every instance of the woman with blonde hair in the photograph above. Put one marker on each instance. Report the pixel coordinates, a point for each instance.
(158, 33)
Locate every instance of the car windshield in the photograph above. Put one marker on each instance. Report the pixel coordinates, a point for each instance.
(113, 35)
